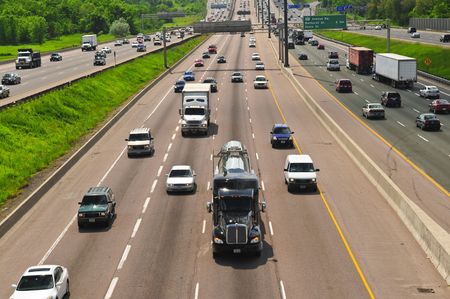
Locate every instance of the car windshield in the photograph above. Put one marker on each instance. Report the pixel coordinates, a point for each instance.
(138, 137)
(429, 116)
(188, 73)
(231, 204)
(94, 200)
(393, 95)
(236, 74)
(282, 130)
(442, 102)
(7, 75)
(334, 62)
(376, 106)
(194, 111)
(176, 173)
(301, 167)
(180, 83)
(35, 282)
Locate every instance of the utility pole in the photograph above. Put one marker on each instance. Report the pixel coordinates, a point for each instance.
(164, 45)
(262, 13)
(286, 34)
(388, 29)
(270, 18)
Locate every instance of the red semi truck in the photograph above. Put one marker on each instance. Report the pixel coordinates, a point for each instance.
(360, 59)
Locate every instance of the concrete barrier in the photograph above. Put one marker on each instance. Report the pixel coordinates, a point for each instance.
(31, 200)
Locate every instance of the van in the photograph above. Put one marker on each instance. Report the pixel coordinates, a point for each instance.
(445, 38)
(299, 173)
(140, 142)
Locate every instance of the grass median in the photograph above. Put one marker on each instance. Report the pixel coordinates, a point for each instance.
(36, 133)
(436, 55)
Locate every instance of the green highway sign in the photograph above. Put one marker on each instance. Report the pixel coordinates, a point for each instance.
(324, 22)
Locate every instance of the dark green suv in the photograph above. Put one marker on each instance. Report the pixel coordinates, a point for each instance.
(98, 206)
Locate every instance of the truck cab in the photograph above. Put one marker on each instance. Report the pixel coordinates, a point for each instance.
(195, 111)
(27, 58)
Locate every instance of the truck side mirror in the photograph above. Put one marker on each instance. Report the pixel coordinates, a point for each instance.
(179, 111)
(292, 132)
(285, 169)
(263, 207)
(317, 169)
(209, 206)
(126, 139)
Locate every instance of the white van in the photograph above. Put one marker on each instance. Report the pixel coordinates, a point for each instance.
(299, 173)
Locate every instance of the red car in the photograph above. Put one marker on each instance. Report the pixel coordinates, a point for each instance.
(212, 49)
(320, 47)
(344, 85)
(440, 106)
(199, 62)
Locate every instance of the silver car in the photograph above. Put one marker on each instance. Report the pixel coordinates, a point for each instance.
(333, 65)
(181, 178)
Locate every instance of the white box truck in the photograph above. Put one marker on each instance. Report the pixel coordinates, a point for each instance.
(397, 70)
(89, 42)
(195, 111)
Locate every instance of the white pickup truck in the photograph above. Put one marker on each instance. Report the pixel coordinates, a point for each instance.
(4, 92)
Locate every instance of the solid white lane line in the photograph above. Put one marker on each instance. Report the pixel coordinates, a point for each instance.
(207, 187)
(356, 93)
(271, 228)
(371, 85)
(362, 80)
(124, 256)
(169, 147)
(159, 103)
(401, 124)
(262, 185)
(283, 293)
(417, 94)
(173, 136)
(367, 101)
(111, 287)
(415, 110)
(423, 138)
(409, 90)
(111, 167)
(165, 157)
(177, 128)
(196, 291)
(154, 185)
(136, 227)
(159, 171)
(204, 225)
(144, 208)
(257, 157)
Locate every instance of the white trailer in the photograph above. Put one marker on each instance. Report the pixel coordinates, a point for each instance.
(195, 111)
(89, 42)
(397, 70)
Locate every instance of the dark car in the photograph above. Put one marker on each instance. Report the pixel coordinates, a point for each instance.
(99, 60)
(344, 85)
(445, 38)
(179, 85)
(313, 42)
(320, 47)
(221, 59)
(100, 54)
(98, 206)
(188, 76)
(333, 55)
(141, 48)
(206, 55)
(55, 57)
(303, 56)
(212, 82)
(11, 78)
(428, 121)
(391, 99)
(212, 49)
(411, 29)
(281, 135)
(291, 44)
(440, 106)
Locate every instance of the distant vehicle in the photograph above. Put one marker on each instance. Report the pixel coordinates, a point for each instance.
(333, 65)
(242, 34)
(98, 60)
(221, 59)
(397, 70)
(27, 58)
(118, 43)
(55, 57)
(373, 110)
(188, 76)
(237, 77)
(378, 27)
(141, 48)
(281, 135)
(157, 41)
(428, 121)
(344, 85)
(125, 41)
(181, 178)
(43, 281)
(107, 50)
(252, 44)
(334, 55)
(147, 38)
(411, 30)
(4, 92)
(211, 81)
(260, 82)
(302, 56)
(291, 44)
(320, 47)
(391, 99)
(308, 34)
(179, 85)
(415, 35)
(429, 91)
(89, 42)
(212, 49)
(259, 66)
(140, 142)
(360, 59)
(11, 79)
(439, 106)
(300, 173)
(445, 38)
(313, 42)
(255, 56)
(140, 39)
(134, 44)
(98, 206)
(199, 62)
(100, 54)
(206, 55)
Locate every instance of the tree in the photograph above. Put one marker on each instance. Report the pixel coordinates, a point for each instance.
(120, 28)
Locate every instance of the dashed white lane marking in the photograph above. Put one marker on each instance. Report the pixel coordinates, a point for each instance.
(144, 208)
(257, 157)
(271, 228)
(208, 185)
(415, 110)
(111, 287)
(159, 171)
(173, 136)
(169, 147)
(218, 99)
(136, 227)
(283, 293)
(210, 157)
(401, 124)
(367, 101)
(250, 120)
(217, 108)
(362, 80)
(203, 227)
(154, 185)
(409, 90)
(246, 98)
(253, 135)
(177, 128)
(356, 93)
(196, 291)
(353, 75)
(165, 157)
(248, 108)
(111, 167)
(124, 257)
(371, 85)
(423, 138)
(246, 90)
(262, 186)
(417, 94)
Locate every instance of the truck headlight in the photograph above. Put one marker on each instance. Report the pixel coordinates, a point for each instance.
(254, 240)
(80, 215)
(146, 146)
(290, 138)
(130, 147)
(274, 138)
(103, 214)
(313, 180)
(218, 240)
(291, 180)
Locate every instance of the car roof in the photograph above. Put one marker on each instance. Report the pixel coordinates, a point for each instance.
(280, 126)
(344, 80)
(97, 190)
(299, 159)
(180, 167)
(140, 131)
(180, 81)
(260, 76)
(40, 270)
(428, 114)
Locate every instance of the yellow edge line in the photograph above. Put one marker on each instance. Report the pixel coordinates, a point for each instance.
(330, 212)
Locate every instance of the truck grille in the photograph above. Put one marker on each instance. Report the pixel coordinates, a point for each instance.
(194, 123)
(303, 181)
(236, 234)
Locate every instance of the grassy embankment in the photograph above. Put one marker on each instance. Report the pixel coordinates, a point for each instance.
(36, 133)
(440, 64)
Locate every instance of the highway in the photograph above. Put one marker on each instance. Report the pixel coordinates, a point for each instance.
(342, 242)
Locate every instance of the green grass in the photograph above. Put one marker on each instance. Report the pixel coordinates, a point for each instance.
(36, 133)
(66, 41)
(184, 21)
(440, 64)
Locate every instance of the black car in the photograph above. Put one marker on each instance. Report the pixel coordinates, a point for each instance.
(55, 57)
(206, 55)
(98, 206)
(391, 99)
(221, 59)
(99, 60)
(11, 78)
(428, 121)
(333, 55)
(281, 135)
(179, 85)
(303, 56)
(212, 82)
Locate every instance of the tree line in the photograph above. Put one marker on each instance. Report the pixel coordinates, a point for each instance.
(33, 21)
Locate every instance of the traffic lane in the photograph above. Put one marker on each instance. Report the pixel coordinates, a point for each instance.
(371, 227)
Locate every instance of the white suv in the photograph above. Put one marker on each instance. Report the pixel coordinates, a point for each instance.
(299, 173)
(140, 142)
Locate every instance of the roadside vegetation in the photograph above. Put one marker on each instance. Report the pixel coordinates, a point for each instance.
(36, 133)
(437, 55)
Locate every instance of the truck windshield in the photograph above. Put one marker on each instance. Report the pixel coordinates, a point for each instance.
(138, 137)
(194, 111)
(95, 200)
(235, 204)
(301, 167)
(24, 54)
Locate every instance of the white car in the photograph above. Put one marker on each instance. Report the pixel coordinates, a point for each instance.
(415, 35)
(333, 65)
(107, 50)
(373, 110)
(429, 91)
(134, 44)
(255, 56)
(260, 82)
(44, 281)
(237, 77)
(259, 66)
(378, 27)
(181, 178)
